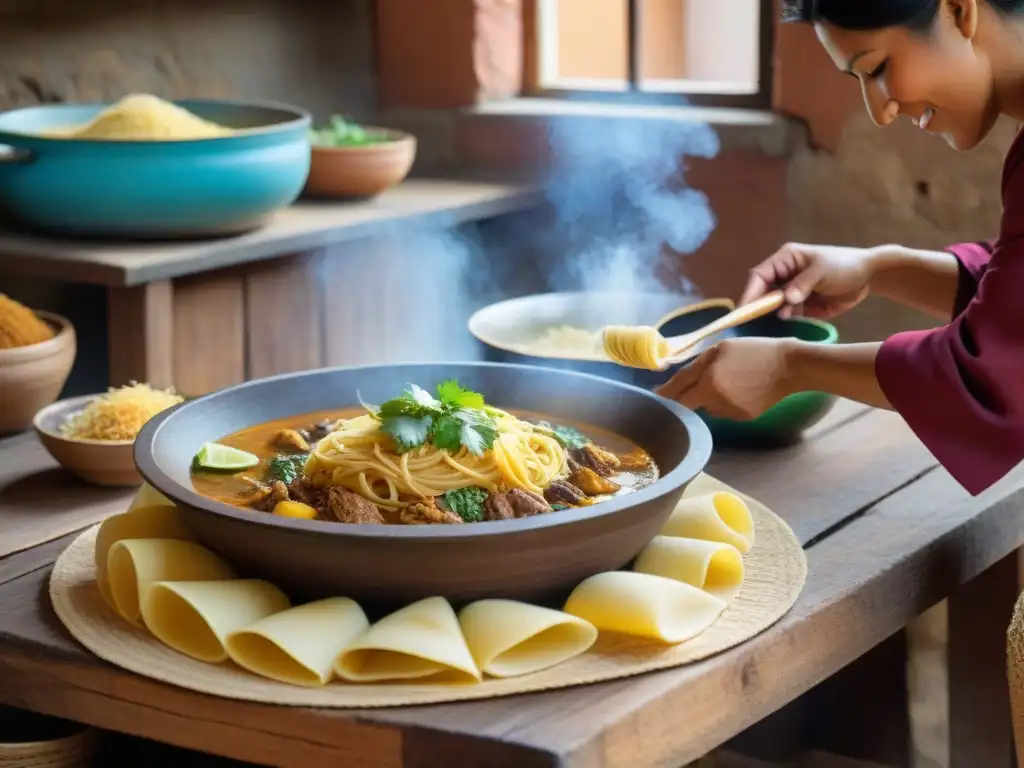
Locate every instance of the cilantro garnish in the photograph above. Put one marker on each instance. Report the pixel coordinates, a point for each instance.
(467, 503)
(457, 418)
(569, 438)
(286, 468)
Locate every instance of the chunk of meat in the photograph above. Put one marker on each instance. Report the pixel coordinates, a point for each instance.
(348, 507)
(278, 492)
(258, 490)
(302, 489)
(562, 492)
(497, 507)
(591, 483)
(526, 504)
(317, 432)
(635, 461)
(290, 440)
(601, 461)
(428, 513)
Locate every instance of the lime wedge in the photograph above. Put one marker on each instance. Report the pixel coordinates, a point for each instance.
(224, 458)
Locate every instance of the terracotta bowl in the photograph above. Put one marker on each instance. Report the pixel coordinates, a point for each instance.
(32, 377)
(539, 558)
(101, 462)
(361, 171)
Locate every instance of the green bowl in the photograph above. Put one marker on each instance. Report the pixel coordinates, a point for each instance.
(786, 421)
(501, 328)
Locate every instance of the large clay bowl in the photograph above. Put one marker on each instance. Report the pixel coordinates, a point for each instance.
(539, 559)
(502, 327)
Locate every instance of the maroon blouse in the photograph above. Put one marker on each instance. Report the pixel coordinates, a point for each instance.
(960, 387)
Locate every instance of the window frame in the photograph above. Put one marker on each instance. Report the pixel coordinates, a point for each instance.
(698, 93)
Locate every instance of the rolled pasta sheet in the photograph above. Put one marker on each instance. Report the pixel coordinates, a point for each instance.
(148, 496)
(133, 565)
(195, 617)
(719, 516)
(509, 638)
(644, 605)
(422, 640)
(299, 646)
(146, 522)
(715, 567)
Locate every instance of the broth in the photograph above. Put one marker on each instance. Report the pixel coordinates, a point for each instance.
(635, 468)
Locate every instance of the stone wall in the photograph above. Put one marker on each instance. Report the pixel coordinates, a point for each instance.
(895, 185)
(317, 55)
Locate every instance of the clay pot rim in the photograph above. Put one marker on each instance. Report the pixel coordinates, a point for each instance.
(83, 400)
(400, 140)
(64, 337)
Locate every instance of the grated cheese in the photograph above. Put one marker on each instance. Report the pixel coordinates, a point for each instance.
(120, 413)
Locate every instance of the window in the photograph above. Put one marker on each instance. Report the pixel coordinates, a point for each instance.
(705, 52)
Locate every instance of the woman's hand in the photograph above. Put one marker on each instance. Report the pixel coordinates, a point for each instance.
(736, 378)
(819, 280)
(742, 378)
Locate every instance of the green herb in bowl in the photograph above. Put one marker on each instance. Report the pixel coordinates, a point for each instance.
(340, 132)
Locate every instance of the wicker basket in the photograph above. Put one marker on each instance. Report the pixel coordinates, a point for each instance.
(1015, 674)
(52, 743)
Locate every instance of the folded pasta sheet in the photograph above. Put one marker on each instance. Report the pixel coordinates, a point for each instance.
(195, 617)
(422, 640)
(146, 522)
(720, 516)
(644, 605)
(299, 645)
(509, 638)
(709, 565)
(148, 496)
(133, 565)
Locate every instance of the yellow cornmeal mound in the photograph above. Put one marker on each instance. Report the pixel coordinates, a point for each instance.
(120, 413)
(19, 325)
(141, 117)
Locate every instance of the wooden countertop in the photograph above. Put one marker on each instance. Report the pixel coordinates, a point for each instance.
(887, 534)
(304, 226)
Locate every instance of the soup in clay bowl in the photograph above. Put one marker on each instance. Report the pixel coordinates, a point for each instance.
(323, 507)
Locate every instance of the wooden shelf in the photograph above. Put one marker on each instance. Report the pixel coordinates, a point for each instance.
(305, 226)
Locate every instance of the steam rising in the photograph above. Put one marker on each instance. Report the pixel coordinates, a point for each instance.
(618, 200)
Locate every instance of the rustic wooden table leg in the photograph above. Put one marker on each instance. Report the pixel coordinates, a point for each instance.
(141, 334)
(861, 713)
(980, 731)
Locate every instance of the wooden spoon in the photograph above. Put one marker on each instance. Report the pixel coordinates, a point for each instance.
(680, 345)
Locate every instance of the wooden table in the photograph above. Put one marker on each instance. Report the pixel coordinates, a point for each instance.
(888, 535)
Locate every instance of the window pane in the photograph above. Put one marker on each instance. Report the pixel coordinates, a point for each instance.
(699, 45)
(588, 45)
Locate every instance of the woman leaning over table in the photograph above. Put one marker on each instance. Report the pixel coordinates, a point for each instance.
(953, 67)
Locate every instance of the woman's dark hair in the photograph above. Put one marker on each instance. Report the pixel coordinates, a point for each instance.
(876, 14)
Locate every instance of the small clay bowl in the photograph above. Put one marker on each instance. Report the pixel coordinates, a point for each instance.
(361, 171)
(32, 377)
(101, 462)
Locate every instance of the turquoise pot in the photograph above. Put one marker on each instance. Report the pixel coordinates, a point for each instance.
(152, 189)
